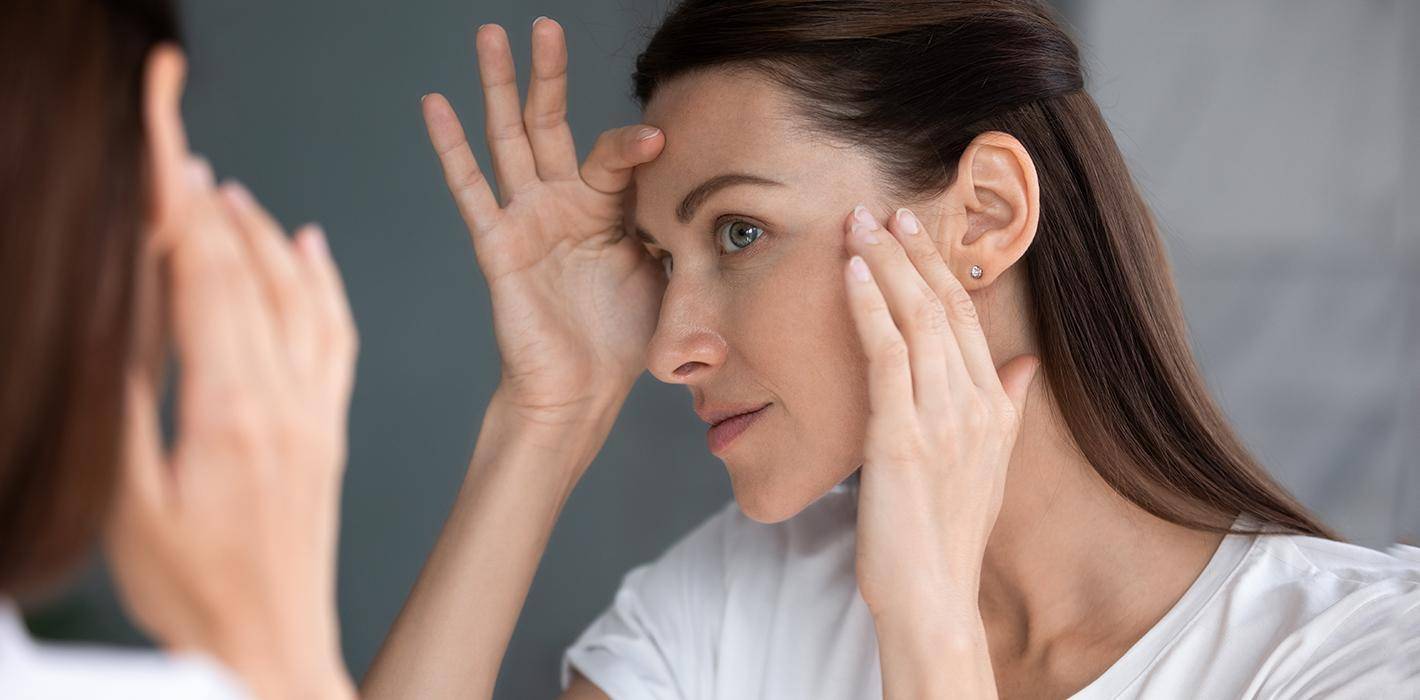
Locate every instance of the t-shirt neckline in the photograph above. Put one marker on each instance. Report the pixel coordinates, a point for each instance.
(1226, 559)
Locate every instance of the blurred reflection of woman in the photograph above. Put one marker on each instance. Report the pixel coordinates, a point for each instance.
(116, 244)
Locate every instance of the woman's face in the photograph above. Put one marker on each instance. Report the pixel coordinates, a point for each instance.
(755, 311)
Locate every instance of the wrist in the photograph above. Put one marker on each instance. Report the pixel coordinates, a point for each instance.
(958, 629)
(937, 654)
(569, 438)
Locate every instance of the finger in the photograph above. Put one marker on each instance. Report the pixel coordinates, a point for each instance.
(471, 191)
(545, 115)
(339, 338)
(889, 373)
(961, 310)
(143, 478)
(274, 264)
(616, 153)
(936, 374)
(513, 163)
(164, 133)
(1016, 378)
(143, 501)
(222, 333)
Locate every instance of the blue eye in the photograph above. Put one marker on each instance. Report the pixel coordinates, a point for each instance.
(733, 236)
(736, 235)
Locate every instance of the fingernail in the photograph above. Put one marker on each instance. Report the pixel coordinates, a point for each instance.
(239, 194)
(423, 97)
(539, 19)
(647, 133)
(860, 268)
(199, 172)
(907, 223)
(864, 225)
(314, 241)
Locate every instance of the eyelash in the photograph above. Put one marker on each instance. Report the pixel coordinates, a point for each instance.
(720, 224)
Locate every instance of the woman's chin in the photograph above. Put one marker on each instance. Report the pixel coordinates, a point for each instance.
(770, 500)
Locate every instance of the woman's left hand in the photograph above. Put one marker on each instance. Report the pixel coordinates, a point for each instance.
(940, 433)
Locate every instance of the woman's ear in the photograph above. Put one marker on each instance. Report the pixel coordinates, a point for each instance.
(168, 156)
(993, 208)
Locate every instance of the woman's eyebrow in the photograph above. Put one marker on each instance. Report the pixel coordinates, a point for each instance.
(697, 196)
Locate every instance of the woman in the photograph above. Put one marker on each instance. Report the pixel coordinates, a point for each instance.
(1049, 503)
(117, 244)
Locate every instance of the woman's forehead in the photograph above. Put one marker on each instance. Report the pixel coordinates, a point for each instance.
(735, 121)
(723, 113)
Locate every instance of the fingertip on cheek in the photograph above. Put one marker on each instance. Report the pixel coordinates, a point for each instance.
(907, 222)
(859, 268)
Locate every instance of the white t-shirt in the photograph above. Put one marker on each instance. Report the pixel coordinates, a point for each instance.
(30, 670)
(739, 609)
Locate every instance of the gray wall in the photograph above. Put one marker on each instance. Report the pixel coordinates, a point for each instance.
(1277, 143)
(1275, 139)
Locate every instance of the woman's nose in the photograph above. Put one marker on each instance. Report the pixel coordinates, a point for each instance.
(687, 346)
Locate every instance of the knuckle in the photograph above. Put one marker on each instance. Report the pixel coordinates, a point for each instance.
(289, 289)
(891, 353)
(452, 147)
(542, 119)
(215, 260)
(931, 316)
(928, 255)
(1007, 413)
(962, 306)
(606, 140)
(468, 179)
(238, 424)
(975, 416)
(896, 447)
(506, 131)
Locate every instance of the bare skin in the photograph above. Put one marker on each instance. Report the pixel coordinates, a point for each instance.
(226, 542)
(1051, 575)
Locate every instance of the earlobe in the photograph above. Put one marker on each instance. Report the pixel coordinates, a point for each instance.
(166, 138)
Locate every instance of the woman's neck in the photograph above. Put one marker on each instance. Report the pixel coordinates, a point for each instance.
(1070, 562)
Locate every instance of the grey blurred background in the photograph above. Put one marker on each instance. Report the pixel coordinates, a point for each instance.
(1276, 141)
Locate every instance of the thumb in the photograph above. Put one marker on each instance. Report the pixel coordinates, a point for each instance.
(616, 152)
(1017, 375)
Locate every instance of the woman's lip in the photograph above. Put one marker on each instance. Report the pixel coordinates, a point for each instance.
(720, 435)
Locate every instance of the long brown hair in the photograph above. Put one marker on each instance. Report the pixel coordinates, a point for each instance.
(916, 81)
(72, 174)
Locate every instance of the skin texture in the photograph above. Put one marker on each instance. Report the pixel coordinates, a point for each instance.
(974, 497)
(225, 543)
(1061, 592)
(766, 322)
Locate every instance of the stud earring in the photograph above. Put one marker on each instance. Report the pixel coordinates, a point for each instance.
(975, 272)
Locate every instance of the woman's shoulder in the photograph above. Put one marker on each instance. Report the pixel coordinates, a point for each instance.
(33, 669)
(1342, 566)
(1348, 615)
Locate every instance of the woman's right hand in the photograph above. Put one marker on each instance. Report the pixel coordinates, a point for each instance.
(226, 542)
(575, 299)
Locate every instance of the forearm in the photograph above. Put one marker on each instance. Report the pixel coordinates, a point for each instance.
(935, 656)
(450, 638)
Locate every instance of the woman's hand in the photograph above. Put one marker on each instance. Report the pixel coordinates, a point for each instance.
(226, 543)
(939, 438)
(574, 297)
